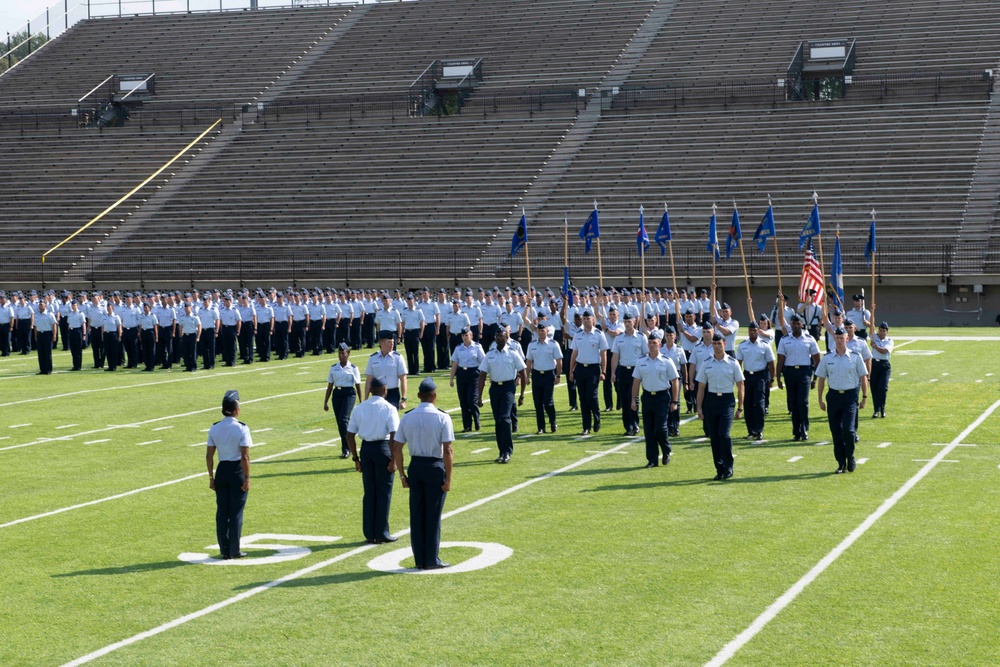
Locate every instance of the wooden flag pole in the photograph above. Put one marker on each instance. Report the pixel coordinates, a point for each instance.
(822, 264)
(836, 294)
(715, 245)
(565, 239)
(873, 280)
(527, 268)
(746, 277)
(777, 261)
(600, 271)
(670, 246)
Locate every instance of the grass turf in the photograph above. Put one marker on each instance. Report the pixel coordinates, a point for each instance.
(612, 564)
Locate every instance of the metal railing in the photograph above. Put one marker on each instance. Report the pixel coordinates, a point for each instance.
(621, 266)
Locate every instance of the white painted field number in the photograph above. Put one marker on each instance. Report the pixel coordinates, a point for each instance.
(490, 553)
(283, 553)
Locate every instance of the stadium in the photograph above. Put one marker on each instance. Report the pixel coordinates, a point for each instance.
(175, 144)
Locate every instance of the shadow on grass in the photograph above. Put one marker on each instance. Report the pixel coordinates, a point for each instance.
(125, 569)
(306, 459)
(708, 480)
(325, 580)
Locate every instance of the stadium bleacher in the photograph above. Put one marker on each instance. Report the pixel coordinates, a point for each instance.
(331, 157)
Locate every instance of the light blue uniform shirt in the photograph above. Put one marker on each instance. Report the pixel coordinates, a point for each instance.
(456, 322)
(543, 356)
(424, 430)
(344, 376)
(282, 313)
(111, 322)
(885, 343)
(513, 320)
(588, 346)
(502, 365)
(228, 436)
(655, 374)
(45, 321)
(720, 374)
(146, 322)
(6, 313)
(429, 309)
(676, 354)
(842, 372)
(188, 324)
(129, 315)
(386, 367)
(316, 312)
(387, 319)
(412, 318)
(630, 349)
(374, 419)
(164, 315)
(860, 347)
(798, 351)
(468, 356)
(76, 320)
(473, 313)
(491, 313)
(754, 355)
(208, 317)
(733, 326)
(229, 316)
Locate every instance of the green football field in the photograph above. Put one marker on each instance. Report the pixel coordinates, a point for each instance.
(573, 554)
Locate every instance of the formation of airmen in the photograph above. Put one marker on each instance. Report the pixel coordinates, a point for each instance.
(645, 353)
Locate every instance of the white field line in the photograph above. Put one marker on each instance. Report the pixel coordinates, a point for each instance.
(730, 649)
(540, 452)
(318, 566)
(160, 419)
(59, 428)
(188, 378)
(163, 428)
(884, 445)
(862, 461)
(148, 442)
(795, 458)
(173, 481)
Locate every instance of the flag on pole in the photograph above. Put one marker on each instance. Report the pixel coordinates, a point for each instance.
(520, 235)
(812, 279)
(735, 233)
(642, 238)
(811, 227)
(591, 229)
(870, 248)
(663, 233)
(837, 272)
(765, 230)
(565, 288)
(713, 237)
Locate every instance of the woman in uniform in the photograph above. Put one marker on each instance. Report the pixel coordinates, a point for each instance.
(344, 384)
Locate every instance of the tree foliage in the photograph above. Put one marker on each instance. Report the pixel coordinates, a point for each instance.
(20, 47)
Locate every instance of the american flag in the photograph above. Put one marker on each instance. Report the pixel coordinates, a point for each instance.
(812, 279)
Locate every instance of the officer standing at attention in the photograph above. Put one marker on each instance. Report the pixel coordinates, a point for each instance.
(758, 370)
(544, 366)
(455, 321)
(389, 319)
(247, 327)
(209, 318)
(390, 367)
(376, 421)
(264, 313)
(881, 368)
(231, 481)
(282, 321)
(166, 322)
(798, 356)
(343, 383)
(861, 316)
(587, 366)
(465, 361)
(300, 322)
(112, 337)
(413, 330)
(230, 319)
(76, 321)
(845, 371)
(190, 328)
(46, 326)
(660, 381)
(148, 332)
(432, 325)
(95, 332)
(24, 317)
(317, 323)
(442, 339)
(504, 367)
(428, 433)
(629, 347)
(674, 353)
(6, 318)
(716, 378)
(490, 311)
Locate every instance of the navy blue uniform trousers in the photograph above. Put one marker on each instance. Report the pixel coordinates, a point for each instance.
(467, 383)
(718, 411)
(377, 481)
(655, 410)
(426, 476)
(543, 383)
(230, 499)
(343, 404)
(842, 411)
(754, 399)
(797, 383)
(502, 402)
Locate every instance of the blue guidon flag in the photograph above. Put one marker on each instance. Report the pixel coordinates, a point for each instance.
(591, 228)
(713, 237)
(663, 232)
(870, 248)
(735, 233)
(520, 235)
(642, 238)
(811, 228)
(765, 229)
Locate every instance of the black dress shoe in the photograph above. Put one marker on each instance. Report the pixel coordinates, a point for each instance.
(344, 455)
(597, 427)
(477, 427)
(717, 477)
(651, 464)
(728, 475)
(839, 471)
(498, 459)
(437, 566)
(540, 432)
(881, 413)
(466, 430)
(875, 415)
(505, 458)
(554, 428)
(666, 459)
(805, 436)
(573, 408)
(585, 432)
(385, 540)
(241, 554)
(851, 465)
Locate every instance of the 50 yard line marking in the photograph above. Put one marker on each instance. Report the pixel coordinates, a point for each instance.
(730, 649)
(318, 566)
